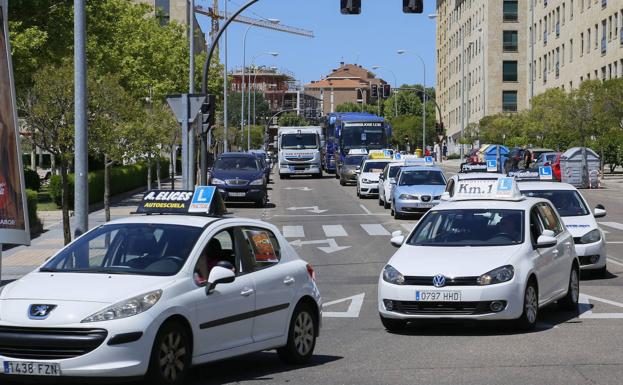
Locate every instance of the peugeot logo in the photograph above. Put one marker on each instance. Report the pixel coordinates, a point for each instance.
(40, 312)
(439, 280)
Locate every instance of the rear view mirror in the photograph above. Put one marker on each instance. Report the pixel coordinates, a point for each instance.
(600, 211)
(397, 238)
(546, 241)
(219, 275)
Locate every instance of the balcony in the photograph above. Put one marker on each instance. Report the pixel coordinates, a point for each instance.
(604, 46)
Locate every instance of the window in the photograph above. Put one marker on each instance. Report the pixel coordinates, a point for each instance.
(571, 10)
(509, 101)
(571, 51)
(263, 247)
(220, 251)
(510, 10)
(509, 71)
(510, 41)
(549, 218)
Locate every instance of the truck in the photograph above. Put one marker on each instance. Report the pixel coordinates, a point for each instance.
(346, 131)
(300, 151)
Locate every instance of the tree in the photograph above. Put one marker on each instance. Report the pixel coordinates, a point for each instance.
(292, 119)
(356, 107)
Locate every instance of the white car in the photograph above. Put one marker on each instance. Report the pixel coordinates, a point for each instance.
(387, 181)
(481, 256)
(154, 295)
(589, 238)
(368, 178)
(453, 183)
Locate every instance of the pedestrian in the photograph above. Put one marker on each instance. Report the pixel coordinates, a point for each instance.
(436, 153)
(527, 159)
(445, 151)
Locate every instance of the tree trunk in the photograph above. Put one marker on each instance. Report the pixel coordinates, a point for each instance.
(65, 202)
(107, 165)
(172, 174)
(158, 172)
(148, 172)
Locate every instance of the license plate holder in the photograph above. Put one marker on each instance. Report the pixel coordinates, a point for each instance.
(438, 296)
(237, 194)
(31, 368)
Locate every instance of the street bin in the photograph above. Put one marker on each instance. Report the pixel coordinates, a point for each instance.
(418, 152)
(491, 153)
(571, 167)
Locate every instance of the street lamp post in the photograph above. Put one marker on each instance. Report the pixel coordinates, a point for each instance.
(402, 52)
(395, 86)
(244, 64)
(274, 54)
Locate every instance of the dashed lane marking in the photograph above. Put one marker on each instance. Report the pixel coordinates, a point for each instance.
(332, 231)
(293, 232)
(375, 229)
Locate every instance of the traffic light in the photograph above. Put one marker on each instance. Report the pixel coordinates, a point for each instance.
(374, 91)
(387, 90)
(208, 111)
(350, 7)
(412, 6)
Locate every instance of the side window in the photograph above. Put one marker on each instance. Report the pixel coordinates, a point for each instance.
(450, 187)
(535, 225)
(549, 218)
(263, 247)
(220, 251)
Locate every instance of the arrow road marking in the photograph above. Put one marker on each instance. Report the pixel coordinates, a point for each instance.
(585, 307)
(312, 209)
(299, 188)
(356, 301)
(331, 248)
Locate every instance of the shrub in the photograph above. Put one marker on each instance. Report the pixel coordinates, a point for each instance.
(31, 179)
(31, 203)
(454, 156)
(122, 179)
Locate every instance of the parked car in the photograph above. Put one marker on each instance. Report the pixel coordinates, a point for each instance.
(550, 159)
(515, 157)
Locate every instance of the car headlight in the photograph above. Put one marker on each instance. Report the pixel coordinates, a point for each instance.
(499, 275)
(590, 237)
(391, 275)
(217, 181)
(257, 182)
(408, 197)
(127, 308)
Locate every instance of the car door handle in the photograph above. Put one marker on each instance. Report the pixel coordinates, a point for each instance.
(289, 281)
(555, 252)
(247, 292)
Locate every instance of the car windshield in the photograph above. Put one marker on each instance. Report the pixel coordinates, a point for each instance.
(138, 249)
(353, 160)
(569, 203)
(299, 141)
(469, 227)
(421, 177)
(393, 171)
(236, 163)
(374, 166)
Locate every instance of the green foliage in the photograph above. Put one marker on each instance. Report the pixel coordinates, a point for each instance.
(356, 107)
(31, 179)
(122, 179)
(291, 119)
(234, 103)
(31, 202)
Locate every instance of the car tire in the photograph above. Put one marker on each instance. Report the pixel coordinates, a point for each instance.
(337, 176)
(393, 325)
(527, 320)
(262, 202)
(380, 201)
(386, 204)
(301, 336)
(358, 195)
(342, 183)
(171, 350)
(570, 300)
(283, 176)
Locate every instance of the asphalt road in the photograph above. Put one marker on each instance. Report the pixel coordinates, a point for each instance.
(354, 348)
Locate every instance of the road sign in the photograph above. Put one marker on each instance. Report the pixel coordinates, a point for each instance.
(194, 105)
(545, 173)
(492, 165)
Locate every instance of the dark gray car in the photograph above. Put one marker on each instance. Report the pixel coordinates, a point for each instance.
(347, 171)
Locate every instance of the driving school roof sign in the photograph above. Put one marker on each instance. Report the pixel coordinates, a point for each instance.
(203, 200)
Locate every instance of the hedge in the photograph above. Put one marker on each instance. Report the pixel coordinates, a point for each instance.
(31, 202)
(31, 179)
(122, 179)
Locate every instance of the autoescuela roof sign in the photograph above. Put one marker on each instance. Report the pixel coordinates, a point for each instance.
(203, 200)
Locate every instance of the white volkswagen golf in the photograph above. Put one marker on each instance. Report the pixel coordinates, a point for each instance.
(153, 295)
(488, 254)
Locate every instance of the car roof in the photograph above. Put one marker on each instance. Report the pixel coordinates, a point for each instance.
(523, 204)
(379, 160)
(188, 220)
(237, 155)
(420, 168)
(536, 185)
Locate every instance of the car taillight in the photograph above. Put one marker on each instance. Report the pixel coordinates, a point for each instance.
(311, 272)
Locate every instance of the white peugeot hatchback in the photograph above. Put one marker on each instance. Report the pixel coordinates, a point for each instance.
(153, 295)
(488, 254)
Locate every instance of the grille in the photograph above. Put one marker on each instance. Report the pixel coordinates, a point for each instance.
(48, 343)
(426, 198)
(440, 308)
(237, 182)
(306, 159)
(428, 281)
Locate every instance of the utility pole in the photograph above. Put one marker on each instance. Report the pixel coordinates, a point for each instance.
(191, 90)
(225, 86)
(81, 184)
(462, 152)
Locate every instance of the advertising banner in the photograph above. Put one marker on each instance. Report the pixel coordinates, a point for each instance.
(14, 227)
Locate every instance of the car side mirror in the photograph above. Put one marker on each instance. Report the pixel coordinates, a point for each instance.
(397, 238)
(600, 211)
(392, 180)
(219, 275)
(546, 240)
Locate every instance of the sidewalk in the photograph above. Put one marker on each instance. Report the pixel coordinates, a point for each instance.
(21, 260)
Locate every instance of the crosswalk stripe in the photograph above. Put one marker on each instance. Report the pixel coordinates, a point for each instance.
(293, 232)
(408, 226)
(375, 229)
(332, 231)
(614, 225)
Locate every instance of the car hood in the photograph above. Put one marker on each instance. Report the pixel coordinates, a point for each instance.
(249, 175)
(421, 190)
(451, 261)
(373, 176)
(580, 225)
(75, 295)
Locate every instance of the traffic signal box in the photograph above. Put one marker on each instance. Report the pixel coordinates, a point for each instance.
(353, 7)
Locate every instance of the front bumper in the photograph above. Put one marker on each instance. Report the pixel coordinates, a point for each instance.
(408, 206)
(123, 360)
(348, 177)
(242, 194)
(588, 253)
(474, 304)
(299, 169)
(369, 189)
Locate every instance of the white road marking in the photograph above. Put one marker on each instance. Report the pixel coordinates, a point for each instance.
(408, 226)
(331, 248)
(588, 313)
(293, 232)
(332, 231)
(375, 229)
(328, 215)
(614, 242)
(310, 209)
(365, 209)
(614, 225)
(299, 188)
(356, 302)
(612, 260)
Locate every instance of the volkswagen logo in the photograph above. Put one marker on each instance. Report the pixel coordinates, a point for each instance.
(40, 312)
(439, 281)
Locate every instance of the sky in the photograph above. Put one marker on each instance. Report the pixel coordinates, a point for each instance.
(369, 39)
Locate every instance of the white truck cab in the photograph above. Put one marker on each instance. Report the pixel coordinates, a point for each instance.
(300, 151)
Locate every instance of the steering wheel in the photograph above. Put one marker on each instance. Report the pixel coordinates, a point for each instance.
(175, 258)
(507, 235)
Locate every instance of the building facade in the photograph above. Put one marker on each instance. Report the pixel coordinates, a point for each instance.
(348, 83)
(493, 56)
